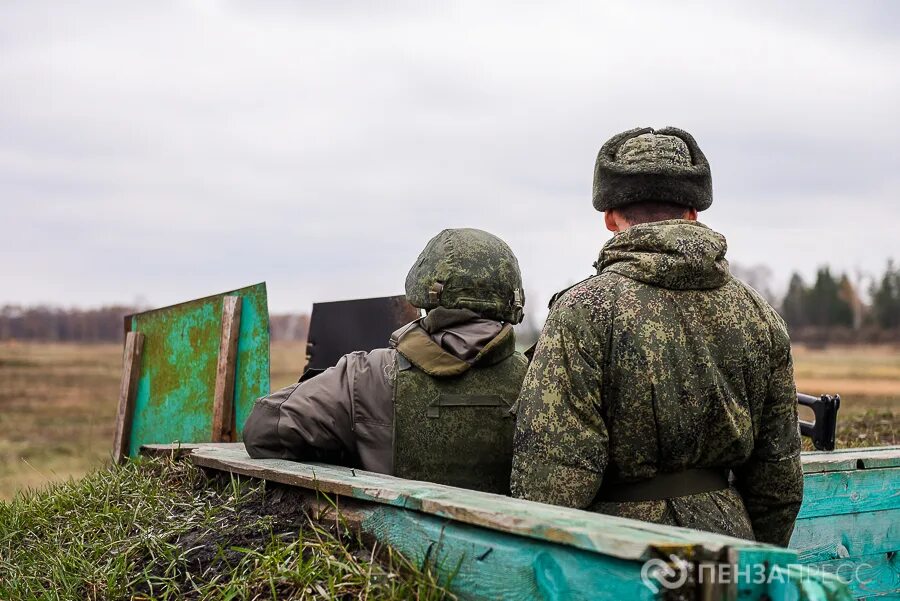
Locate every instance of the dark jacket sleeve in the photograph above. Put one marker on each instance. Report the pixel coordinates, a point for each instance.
(771, 481)
(307, 421)
(561, 442)
(324, 418)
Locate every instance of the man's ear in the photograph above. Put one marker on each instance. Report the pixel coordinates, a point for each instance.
(610, 219)
(691, 214)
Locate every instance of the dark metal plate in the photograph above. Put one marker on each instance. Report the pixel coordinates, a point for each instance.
(341, 327)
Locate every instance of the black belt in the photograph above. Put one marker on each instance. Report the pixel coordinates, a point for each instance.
(664, 486)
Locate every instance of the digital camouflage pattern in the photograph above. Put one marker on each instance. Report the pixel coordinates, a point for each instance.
(661, 363)
(650, 149)
(646, 165)
(455, 427)
(468, 269)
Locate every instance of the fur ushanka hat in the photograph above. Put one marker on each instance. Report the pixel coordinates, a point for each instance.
(646, 165)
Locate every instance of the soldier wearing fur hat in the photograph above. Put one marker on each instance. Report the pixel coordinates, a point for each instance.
(662, 387)
(436, 404)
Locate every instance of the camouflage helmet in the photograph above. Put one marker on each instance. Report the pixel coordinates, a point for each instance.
(641, 165)
(468, 269)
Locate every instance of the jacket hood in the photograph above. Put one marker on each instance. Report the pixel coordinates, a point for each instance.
(678, 255)
(462, 333)
(449, 342)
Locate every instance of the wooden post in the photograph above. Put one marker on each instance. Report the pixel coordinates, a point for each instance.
(131, 373)
(223, 400)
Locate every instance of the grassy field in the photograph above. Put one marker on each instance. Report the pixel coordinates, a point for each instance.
(57, 402)
(165, 530)
(868, 380)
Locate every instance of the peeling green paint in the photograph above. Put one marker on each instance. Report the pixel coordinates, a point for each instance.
(493, 547)
(483, 565)
(849, 524)
(174, 399)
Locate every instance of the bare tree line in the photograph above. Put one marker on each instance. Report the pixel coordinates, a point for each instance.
(830, 309)
(106, 324)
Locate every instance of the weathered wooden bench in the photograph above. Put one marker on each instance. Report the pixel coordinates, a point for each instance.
(845, 543)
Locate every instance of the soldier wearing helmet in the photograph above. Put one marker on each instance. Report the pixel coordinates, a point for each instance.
(662, 387)
(436, 404)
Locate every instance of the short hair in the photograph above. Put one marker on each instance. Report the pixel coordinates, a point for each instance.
(645, 212)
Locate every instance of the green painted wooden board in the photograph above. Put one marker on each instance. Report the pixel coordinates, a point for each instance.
(850, 518)
(488, 565)
(613, 536)
(485, 565)
(496, 547)
(843, 492)
(804, 583)
(174, 399)
(847, 535)
(869, 575)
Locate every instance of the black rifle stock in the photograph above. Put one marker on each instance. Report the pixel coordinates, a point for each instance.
(824, 429)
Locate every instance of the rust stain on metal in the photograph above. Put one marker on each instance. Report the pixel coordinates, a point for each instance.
(174, 399)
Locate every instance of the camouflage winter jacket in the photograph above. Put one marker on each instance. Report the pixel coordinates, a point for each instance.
(661, 363)
(348, 415)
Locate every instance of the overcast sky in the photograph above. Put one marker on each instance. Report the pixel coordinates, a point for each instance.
(163, 151)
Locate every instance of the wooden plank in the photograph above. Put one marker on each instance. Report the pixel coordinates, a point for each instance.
(867, 576)
(751, 570)
(850, 450)
(836, 493)
(807, 584)
(223, 429)
(851, 459)
(831, 537)
(494, 547)
(177, 449)
(487, 565)
(617, 537)
(131, 369)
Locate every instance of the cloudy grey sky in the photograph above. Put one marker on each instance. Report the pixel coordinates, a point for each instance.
(166, 150)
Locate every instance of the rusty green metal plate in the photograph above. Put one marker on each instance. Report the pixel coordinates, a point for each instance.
(174, 398)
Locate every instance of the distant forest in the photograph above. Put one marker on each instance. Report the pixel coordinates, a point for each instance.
(829, 309)
(50, 324)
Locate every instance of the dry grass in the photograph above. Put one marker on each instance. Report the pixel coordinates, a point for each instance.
(870, 371)
(868, 380)
(288, 359)
(57, 402)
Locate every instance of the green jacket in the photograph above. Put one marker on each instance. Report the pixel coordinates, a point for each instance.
(661, 363)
